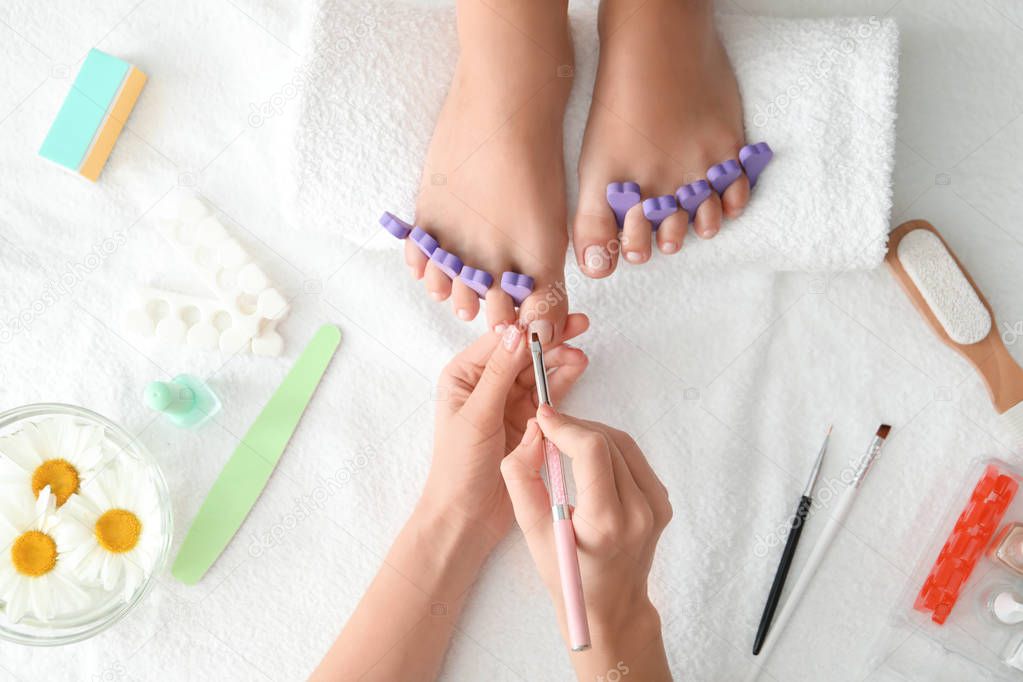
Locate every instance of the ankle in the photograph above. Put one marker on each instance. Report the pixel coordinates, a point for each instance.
(698, 15)
(535, 30)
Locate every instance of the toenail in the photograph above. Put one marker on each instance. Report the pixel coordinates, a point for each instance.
(708, 233)
(543, 329)
(463, 314)
(436, 295)
(500, 327)
(669, 247)
(596, 258)
(634, 257)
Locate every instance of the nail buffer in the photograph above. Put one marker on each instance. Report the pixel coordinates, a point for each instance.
(245, 475)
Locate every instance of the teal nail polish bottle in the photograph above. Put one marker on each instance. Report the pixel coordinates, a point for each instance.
(185, 400)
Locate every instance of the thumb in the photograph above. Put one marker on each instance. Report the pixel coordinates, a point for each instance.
(521, 472)
(487, 401)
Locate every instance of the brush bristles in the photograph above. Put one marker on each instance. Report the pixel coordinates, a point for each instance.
(882, 431)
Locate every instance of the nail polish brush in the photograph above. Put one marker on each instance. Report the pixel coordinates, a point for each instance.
(564, 531)
(795, 531)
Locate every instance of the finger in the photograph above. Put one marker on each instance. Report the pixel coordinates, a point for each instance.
(592, 465)
(521, 473)
(553, 359)
(653, 489)
(485, 405)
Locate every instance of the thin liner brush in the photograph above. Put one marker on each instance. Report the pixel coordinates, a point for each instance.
(795, 531)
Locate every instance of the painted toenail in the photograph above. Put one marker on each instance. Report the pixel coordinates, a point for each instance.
(656, 209)
(511, 337)
(543, 329)
(754, 159)
(463, 314)
(596, 258)
(669, 247)
(634, 257)
(622, 196)
(500, 327)
(723, 174)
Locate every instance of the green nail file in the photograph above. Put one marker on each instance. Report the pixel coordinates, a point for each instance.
(246, 473)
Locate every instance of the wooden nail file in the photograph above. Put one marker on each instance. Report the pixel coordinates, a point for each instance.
(245, 475)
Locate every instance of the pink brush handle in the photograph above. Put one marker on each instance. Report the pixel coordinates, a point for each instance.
(571, 585)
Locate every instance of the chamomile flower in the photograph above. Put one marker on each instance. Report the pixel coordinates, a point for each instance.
(34, 577)
(57, 452)
(115, 528)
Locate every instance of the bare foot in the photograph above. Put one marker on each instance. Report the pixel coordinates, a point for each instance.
(493, 188)
(666, 108)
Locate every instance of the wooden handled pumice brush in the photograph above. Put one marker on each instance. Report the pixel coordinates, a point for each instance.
(952, 304)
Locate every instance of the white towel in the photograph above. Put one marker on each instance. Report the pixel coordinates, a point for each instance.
(821, 92)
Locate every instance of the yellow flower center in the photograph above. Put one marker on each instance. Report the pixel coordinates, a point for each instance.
(59, 475)
(118, 530)
(34, 553)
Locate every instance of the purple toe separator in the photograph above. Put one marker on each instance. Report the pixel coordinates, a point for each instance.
(424, 240)
(622, 196)
(449, 263)
(395, 225)
(477, 280)
(724, 174)
(754, 159)
(692, 195)
(517, 286)
(656, 209)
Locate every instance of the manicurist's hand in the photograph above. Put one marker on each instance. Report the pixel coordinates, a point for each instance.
(621, 509)
(485, 396)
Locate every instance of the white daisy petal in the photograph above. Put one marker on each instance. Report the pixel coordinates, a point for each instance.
(18, 449)
(17, 600)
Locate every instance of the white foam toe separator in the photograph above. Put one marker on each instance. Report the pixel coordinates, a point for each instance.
(247, 307)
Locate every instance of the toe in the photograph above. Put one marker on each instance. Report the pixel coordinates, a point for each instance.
(438, 284)
(708, 217)
(464, 300)
(500, 308)
(415, 259)
(672, 232)
(544, 312)
(595, 235)
(636, 236)
(735, 197)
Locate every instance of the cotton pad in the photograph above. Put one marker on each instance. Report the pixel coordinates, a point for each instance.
(951, 297)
